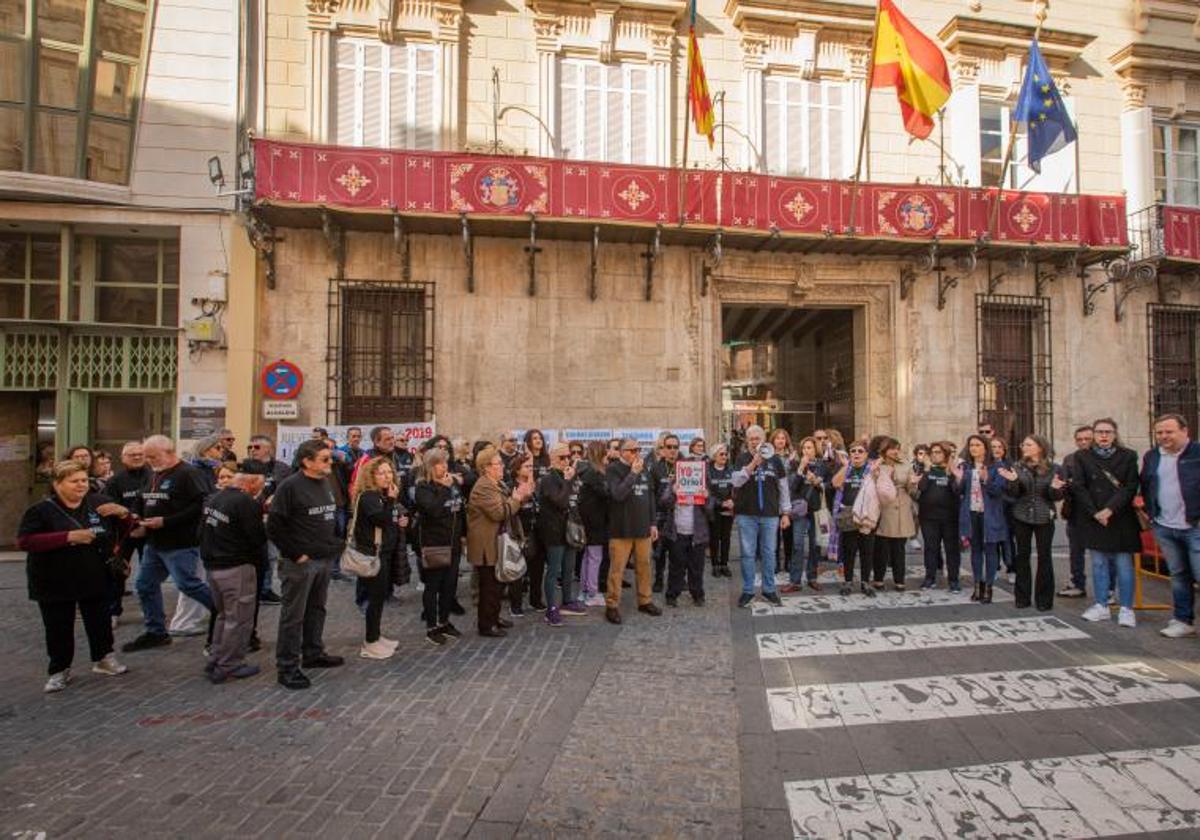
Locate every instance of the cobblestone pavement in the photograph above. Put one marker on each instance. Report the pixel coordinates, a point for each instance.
(910, 716)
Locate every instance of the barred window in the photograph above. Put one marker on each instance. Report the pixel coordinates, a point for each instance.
(380, 351)
(1175, 361)
(1013, 365)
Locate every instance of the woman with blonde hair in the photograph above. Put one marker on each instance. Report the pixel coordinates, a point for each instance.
(439, 502)
(377, 525)
(720, 487)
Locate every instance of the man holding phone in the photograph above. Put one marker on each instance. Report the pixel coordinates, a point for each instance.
(631, 529)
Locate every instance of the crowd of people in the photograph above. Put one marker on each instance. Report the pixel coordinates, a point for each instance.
(552, 528)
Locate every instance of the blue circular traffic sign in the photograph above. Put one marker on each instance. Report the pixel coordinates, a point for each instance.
(282, 380)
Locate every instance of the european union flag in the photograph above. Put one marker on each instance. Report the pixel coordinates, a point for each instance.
(1048, 127)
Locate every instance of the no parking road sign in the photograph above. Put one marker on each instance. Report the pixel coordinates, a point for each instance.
(281, 380)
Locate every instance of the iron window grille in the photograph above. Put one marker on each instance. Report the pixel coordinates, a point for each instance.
(380, 352)
(1012, 340)
(1174, 359)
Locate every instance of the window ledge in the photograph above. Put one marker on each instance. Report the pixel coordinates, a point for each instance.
(18, 185)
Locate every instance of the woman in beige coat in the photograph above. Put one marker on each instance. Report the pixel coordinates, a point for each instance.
(490, 505)
(897, 525)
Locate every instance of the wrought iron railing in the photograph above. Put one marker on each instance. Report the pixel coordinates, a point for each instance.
(1146, 237)
(32, 358)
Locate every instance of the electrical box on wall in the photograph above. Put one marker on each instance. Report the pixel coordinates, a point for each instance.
(203, 330)
(215, 286)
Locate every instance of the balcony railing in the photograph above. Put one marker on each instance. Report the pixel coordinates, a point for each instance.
(1165, 232)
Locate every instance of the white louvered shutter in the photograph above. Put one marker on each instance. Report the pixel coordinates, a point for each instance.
(373, 80)
(795, 136)
(773, 151)
(345, 94)
(593, 113)
(425, 112)
(641, 126)
(399, 111)
(568, 110)
(614, 114)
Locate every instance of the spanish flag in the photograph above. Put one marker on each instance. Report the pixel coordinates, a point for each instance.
(911, 63)
(698, 98)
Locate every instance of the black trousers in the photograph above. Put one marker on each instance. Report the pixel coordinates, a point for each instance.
(787, 547)
(58, 617)
(939, 537)
(441, 586)
(857, 543)
(602, 584)
(660, 552)
(889, 553)
(719, 539)
(488, 608)
(687, 567)
(1043, 583)
(378, 589)
(535, 564)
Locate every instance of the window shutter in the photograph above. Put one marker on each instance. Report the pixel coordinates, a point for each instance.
(399, 117)
(568, 110)
(425, 135)
(641, 127)
(593, 113)
(344, 94)
(614, 107)
(835, 123)
(372, 96)
(796, 161)
(773, 149)
(818, 152)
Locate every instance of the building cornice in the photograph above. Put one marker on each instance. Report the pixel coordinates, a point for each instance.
(1172, 11)
(1143, 61)
(971, 36)
(765, 17)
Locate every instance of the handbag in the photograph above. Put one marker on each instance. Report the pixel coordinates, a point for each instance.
(510, 557)
(359, 563)
(824, 524)
(576, 535)
(1143, 518)
(435, 556)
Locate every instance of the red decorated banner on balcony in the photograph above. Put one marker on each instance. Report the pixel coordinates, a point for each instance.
(1181, 232)
(443, 183)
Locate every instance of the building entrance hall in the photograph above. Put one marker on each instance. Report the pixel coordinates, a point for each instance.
(787, 367)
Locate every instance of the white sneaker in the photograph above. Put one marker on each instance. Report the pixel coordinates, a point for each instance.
(1012, 578)
(1177, 629)
(109, 666)
(1096, 612)
(375, 650)
(57, 682)
(596, 600)
(1126, 618)
(392, 643)
(1112, 599)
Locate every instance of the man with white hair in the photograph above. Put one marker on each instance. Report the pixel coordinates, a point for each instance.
(760, 497)
(170, 516)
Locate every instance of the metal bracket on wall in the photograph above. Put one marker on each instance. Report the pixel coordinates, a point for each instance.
(401, 245)
(262, 240)
(1043, 277)
(1090, 290)
(994, 279)
(714, 253)
(908, 279)
(468, 244)
(1137, 275)
(932, 262)
(593, 272)
(651, 254)
(531, 251)
(335, 241)
(770, 240)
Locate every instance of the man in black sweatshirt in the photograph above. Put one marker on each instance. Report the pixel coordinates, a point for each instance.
(233, 542)
(631, 529)
(302, 524)
(170, 518)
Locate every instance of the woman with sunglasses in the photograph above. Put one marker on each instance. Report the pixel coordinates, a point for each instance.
(852, 542)
(937, 506)
(558, 495)
(1034, 484)
(981, 521)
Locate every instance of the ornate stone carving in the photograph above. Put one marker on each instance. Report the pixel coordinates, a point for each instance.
(966, 69)
(858, 58)
(323, 7)
(1134, 94)
(754, 51)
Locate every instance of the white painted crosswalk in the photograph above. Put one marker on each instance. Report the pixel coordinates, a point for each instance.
(1094, 795)
(857, 602)
(909, 637)
(820, 705)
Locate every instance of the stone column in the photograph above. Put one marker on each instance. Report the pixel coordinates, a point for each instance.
(1137, 148)
(546, 32)
(752, 61)
(449, 25)
(320, 60)
(962, 117)
(662, 48)
(858, 58)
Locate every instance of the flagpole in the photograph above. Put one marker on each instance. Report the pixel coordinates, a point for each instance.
(866, 120)
(1012, 141)
(683, 179)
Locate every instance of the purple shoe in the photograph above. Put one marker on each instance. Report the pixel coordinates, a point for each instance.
(573, 608)
(553, 618)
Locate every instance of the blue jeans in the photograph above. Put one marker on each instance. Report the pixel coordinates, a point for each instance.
(985, 556)
(560, 562)
(157, 565)
(757, 538)
(803, 560)
(1181, 548)
(1103, 563)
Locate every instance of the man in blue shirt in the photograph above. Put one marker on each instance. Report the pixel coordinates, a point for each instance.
(1171, 489)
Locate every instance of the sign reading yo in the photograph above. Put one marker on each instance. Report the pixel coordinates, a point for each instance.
(281, 380)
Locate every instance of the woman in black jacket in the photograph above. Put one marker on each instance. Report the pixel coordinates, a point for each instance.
(439, 503)
(68, 545)
(593, 512)
(1034, 485)
(938, 504)
(557, 497)
(535, 553)
(720, 487)
(378, 511)
(806, 486)
(1104, 484)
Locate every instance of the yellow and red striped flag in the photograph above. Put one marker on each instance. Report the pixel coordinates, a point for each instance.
(908, 60)
(698, 98)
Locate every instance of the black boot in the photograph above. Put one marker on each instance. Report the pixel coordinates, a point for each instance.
(977, 592)
(987, 594)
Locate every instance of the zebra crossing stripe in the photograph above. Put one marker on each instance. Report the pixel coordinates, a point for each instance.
(1095, 795)
(907, 637)
(818, 706)
(857, 602)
